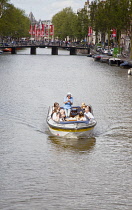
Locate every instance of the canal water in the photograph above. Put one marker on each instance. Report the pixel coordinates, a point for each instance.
(39, 171)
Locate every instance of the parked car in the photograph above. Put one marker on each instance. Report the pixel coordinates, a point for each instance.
(98, 48)
(105, 51)
(110, 52)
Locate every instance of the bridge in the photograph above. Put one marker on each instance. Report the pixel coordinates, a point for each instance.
(54, 48)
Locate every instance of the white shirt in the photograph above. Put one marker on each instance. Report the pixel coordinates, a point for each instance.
(55, 117)
(89, 115)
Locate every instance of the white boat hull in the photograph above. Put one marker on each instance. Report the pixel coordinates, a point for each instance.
(70, 129)
(71, 134)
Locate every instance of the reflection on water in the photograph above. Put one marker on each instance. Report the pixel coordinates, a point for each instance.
(76, 144)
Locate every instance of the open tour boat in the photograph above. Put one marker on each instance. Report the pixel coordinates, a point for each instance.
(71, 127)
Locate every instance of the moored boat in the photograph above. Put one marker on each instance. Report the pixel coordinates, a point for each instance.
(126, 64)
(115, 61)
(7, 50)
(97, 57)
(71, 127)
(104, 59)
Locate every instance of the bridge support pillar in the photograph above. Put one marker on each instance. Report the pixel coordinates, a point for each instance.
(54, 50)
(33, 51)
(72, 51)
(13, 50)
(89, 50)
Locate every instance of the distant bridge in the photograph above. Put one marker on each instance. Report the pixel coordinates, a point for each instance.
(54, 48)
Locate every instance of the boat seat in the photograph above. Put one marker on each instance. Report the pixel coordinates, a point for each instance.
(75, 111)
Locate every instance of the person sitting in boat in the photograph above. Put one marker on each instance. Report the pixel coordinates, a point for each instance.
(83, 106)
(68, 101)
(62, 115)
(55, 107)
(56, 115)
(81, 116)
(56, 104)
(88, 114)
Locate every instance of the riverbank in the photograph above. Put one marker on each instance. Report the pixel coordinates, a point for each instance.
(122, 59)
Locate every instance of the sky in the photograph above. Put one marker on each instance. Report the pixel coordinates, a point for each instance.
(45, 9)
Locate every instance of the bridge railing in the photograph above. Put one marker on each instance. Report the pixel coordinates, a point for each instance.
(41, 43)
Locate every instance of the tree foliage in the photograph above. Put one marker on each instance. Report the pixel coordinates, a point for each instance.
(111, 14)
(82, 24)
(65, 23)
(14, 22)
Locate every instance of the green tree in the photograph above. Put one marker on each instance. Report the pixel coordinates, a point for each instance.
(82, 24)
(14, 22)
(119, 13)
(110, 14)
(65, 23)
(102, 24)
(92, 17)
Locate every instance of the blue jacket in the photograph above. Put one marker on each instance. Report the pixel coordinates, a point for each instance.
(68, 104)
